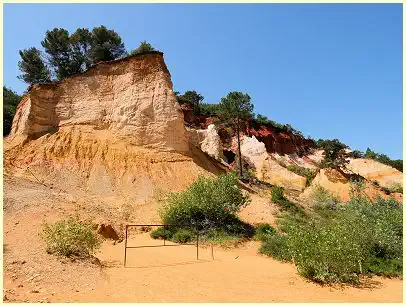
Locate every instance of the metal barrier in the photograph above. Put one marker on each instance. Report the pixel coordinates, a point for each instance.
(164, 241)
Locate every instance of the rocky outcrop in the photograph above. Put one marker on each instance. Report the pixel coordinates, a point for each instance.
(212, 143)
(207, 140)
(338, 184)
(116, 129)
(333, 181)
(372, 170)
(267, 168)
(294, 159)
(252, 150)
(281, 142)
(271, 172)
(132, 98)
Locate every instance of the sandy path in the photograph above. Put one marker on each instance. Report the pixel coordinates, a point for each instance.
(172, 274)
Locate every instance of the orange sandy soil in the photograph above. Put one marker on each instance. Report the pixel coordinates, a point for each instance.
(172, 274)
(161, 274)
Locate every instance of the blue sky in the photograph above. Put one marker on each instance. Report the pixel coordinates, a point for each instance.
(329, 70)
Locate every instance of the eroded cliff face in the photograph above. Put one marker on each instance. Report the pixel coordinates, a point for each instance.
(275, 141)
(114, 131)
(132, 98)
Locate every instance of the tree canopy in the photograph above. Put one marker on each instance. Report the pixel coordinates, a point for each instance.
(10, 102)
(69, 54)
(236, 107)
(33, 67)
(334, 153)
(143, 47)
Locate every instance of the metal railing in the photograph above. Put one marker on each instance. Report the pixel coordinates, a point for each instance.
(164, 240)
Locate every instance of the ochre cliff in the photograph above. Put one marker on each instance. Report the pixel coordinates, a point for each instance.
(132, 98)
(114, 130)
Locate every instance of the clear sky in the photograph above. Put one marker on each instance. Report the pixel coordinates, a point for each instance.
(329, 70)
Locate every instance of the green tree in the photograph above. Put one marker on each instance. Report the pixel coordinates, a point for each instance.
(356, 154)
(106, 45)
(10, 102)
(370, 154)
(57, 45)
(81, 42)
(70, 54)
(236, 107)
(334, 153)
(142, 48)
(33, 67)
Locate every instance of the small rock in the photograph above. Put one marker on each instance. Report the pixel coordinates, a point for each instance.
(16, 223)
(5, 298)
(33, 291)
(20, 286)
(107, 231)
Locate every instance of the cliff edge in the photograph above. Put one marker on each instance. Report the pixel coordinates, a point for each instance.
(132, 98)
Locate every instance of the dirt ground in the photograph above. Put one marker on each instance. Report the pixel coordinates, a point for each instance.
(157, 274)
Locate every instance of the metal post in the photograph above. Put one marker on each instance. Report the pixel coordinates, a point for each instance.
(125, 247)
(212, 255)
(164, 233)
(197, 246)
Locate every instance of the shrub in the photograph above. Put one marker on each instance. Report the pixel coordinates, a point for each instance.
(276, 246)
(70, 237)
(277, 194)
(328, 251)
(321, 200)
(264, 230)
(207, 203)
(183, 236)
(361, 237)
(221, 237)
(334, 153)
(161, 233)
(396, 188)
(307, 173)
(279, 198)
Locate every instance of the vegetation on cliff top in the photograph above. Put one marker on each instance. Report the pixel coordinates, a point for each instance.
(67, 54)
(143, 47)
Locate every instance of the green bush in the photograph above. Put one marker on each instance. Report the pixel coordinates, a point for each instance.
(279, 198)
(307, 173)
(70, 237)
(359, 238)
(207, 203)
(396, 188)
(183, 236)
(263, 230)
(276, 246)
(161, 233)
(321, 200)
(328, 251)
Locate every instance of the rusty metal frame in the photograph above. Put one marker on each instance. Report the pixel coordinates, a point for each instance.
(164, 241)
